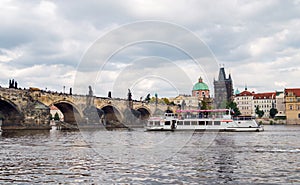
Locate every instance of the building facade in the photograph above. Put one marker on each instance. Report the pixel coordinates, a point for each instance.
(280, 105)
(265, 102)
(223, 89)
(186, 101)
(292, 105)
(244, 102)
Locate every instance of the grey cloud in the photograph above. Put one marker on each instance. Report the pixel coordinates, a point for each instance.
(229, 28)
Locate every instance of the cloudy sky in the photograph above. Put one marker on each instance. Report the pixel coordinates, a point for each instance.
(149, 46)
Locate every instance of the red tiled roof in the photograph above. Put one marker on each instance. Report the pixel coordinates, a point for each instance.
(267, 95)
(245, 93)
(295, 91)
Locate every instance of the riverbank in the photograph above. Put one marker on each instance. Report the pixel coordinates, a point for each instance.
(269, 121)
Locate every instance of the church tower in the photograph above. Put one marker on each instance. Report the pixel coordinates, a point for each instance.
(223, 89)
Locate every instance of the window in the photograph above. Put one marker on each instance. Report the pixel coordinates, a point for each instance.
(291, 107)
(187, 123)
(209, 123)
(167, 123)
(201, 122)
(217, 123)
(194, 122)
(299, 116)
(180, 123)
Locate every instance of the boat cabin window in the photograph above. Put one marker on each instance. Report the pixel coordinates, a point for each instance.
(217, 123)
(154, 123)
(209, 123)
(167, 123)
(170, 115)
(187, 123)
(201, 122)
(180, 123)
(194, 122)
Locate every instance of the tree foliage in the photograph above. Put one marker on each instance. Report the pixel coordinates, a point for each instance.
(259, 112)
(166, 101)
(204, 105)
(273, 112)
(160, 100)
(233, 106)
(56, 117)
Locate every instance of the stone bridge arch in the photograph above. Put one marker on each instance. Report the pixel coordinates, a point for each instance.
(145, 112)
(72, 114)
(112, 114)
(10, 114)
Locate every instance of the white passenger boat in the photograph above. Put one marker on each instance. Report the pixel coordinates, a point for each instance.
(203, 120)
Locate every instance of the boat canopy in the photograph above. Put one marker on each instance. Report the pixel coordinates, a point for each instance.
(195, 110)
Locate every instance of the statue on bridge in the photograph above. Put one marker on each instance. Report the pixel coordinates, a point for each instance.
(147, 99)
(129, 99)
(90, 91)
(89, 98)
(13, 84)
(129, 95)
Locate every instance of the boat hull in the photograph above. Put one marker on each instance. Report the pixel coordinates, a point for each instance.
(240, 129)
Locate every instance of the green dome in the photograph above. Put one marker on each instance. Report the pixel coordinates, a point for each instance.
(200, 86)
(237, 91)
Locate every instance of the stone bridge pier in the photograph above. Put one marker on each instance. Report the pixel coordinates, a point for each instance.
(29, 109)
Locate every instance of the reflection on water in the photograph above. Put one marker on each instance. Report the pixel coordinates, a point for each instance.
(270, 157)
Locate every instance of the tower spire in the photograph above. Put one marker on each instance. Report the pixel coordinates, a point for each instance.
(222, 75)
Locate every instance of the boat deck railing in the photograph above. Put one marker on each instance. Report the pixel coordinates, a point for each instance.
(243, 118)
(204, 117)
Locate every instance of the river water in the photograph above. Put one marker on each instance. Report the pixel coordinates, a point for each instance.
(138, 157)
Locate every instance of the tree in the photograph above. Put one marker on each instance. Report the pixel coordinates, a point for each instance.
(56, 117)
(51, 117)
(259, 112)
(166, 101)
(204, 105)
(273, 112)
(233, 106)
(152, 100)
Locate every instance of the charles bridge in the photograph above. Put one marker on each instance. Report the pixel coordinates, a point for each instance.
(30, 109)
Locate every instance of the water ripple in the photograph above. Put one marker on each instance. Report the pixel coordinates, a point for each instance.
(270, 157)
